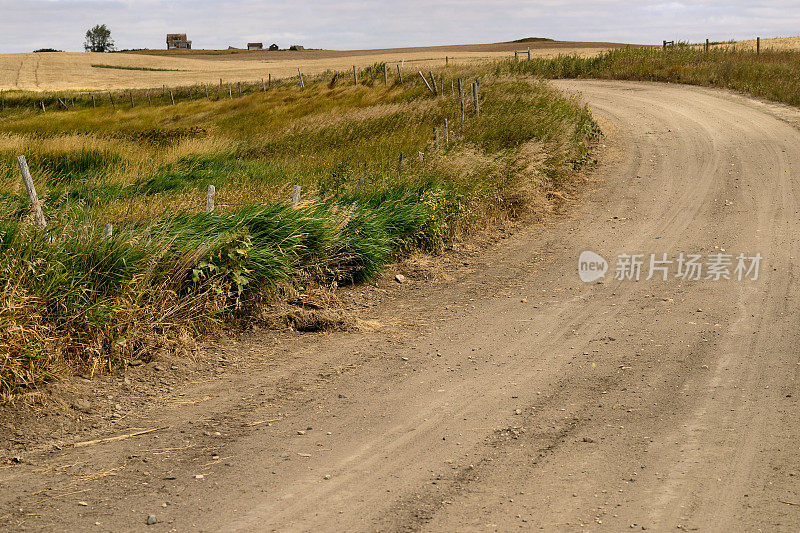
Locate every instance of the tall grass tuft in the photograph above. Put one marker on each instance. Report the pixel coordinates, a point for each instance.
(70, 298)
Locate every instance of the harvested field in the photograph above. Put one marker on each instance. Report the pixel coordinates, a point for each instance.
(75, 70)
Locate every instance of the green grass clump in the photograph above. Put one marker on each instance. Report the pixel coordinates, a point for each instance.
(72, 298)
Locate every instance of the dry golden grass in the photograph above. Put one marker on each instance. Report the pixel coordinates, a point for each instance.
(74, 71)
(777, 43)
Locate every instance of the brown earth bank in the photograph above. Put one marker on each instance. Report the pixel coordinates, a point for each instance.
(502, 394)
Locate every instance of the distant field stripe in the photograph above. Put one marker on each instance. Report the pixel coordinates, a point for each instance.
(146, 69)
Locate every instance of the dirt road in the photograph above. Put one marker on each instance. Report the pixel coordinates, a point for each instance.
(514, 396)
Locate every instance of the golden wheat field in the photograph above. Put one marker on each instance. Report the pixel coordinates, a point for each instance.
(774, 43)
(91, 71)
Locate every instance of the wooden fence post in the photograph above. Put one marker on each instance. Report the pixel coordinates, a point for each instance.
(529, 53)
(29, 186)
(296, 195)
(239, 86)
(230, 91)
(385, 74)
(263, 85)
(707, 45)
(665, 45)
(132, 104)
(461, 88)
(355, 76)
(108, 230)
(269, 79)
(433, 81)
(94, 104)
(149, 101)
(758, 45)
(212, 192)
(462, 113)
(43, 108)
(111, 97)
(446, 134)
(172, 97)
(300, 74)
(428, 85)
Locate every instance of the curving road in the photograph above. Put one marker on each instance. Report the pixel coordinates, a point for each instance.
(515, 396)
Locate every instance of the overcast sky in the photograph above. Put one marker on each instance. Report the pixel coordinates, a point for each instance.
(353, 24)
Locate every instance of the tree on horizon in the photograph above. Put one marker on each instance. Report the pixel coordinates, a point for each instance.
(98, 39)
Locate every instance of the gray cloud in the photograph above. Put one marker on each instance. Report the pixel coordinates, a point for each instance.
(27, 25)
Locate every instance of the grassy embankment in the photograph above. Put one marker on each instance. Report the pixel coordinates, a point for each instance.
(772, 75)
(72, 299)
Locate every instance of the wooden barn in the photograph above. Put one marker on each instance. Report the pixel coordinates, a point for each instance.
(255, 46)
(178, 41)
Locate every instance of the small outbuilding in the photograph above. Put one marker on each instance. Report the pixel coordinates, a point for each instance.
(255, 46)
(296, 47)
(274, 47)
(178, 41)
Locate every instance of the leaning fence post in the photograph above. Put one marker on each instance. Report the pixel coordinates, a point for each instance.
(212, 192)
(230, 91)
(433, 81)
(400, 74)
(385, 75)
(462, 112)
(296, 195)
(108, 230)
(446, 134)
(300, 74)
(172, 97)
(43, 108)
(428, 85)
(29, 186)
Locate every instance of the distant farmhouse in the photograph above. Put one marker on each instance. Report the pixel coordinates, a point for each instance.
(177, 41)
(255, 46)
